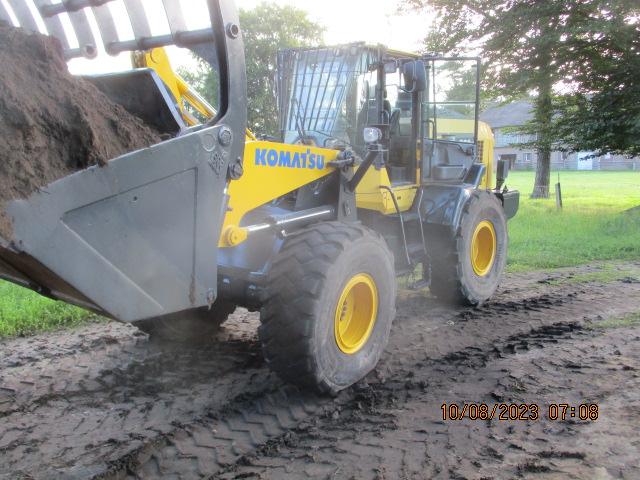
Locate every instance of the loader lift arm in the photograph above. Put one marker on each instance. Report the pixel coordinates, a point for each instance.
(187, 99)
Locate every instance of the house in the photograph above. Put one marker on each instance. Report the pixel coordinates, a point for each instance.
(503, 117)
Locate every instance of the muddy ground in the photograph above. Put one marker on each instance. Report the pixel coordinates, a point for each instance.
(104, 402)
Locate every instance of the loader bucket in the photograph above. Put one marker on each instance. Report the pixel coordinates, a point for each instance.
(134, 239)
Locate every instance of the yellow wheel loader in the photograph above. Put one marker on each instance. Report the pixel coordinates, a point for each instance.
(381, 169)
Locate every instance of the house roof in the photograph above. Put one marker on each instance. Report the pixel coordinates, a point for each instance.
(510, 115)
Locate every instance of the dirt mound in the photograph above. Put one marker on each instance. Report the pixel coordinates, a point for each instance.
(52, 123)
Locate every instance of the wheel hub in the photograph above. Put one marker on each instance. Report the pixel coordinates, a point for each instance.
(483, 248)
(356, 313)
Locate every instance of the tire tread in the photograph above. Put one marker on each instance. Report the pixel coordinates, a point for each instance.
(295, 282)
(447, 274)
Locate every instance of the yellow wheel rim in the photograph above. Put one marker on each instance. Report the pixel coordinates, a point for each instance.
(483, 248)
(356, 313)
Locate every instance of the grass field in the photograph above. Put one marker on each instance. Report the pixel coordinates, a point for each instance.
(591, 226)
(23, 312)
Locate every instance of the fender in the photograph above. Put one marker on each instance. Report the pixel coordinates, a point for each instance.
(443, 204)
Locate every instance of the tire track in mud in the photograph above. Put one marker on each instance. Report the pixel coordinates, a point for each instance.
(83, 417)
(75, 368)
(220, 446)
(394, 428)
(216, 445)
(397, 431)
(115, 366)
(203, 412)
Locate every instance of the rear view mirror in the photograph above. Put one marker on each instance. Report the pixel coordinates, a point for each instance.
(415, 76)
(502, 172)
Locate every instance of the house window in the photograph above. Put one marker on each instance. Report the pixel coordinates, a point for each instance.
(506, 139)
(527, 157)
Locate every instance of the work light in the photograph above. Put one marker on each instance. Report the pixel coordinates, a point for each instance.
(372, 135)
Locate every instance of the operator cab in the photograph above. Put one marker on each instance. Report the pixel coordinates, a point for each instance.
(426, 107)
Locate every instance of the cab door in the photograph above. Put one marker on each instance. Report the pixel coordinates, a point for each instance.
(449, 119)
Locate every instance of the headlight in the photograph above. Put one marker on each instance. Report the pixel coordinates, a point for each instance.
(372, 135)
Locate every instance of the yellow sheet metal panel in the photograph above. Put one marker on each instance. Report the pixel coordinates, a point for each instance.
(452, 126)
(271, 170)
(485, 135)
(370, 196)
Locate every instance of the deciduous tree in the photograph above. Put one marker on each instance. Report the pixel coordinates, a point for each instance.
(550, 48)
(266, 29)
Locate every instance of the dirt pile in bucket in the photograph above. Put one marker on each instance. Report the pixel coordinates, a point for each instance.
(52, 123)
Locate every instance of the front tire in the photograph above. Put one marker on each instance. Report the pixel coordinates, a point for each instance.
(330, 304)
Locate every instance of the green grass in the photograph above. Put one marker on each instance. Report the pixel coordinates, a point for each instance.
(604, 274)
(631, 320)
(592, 225)
(23, 312)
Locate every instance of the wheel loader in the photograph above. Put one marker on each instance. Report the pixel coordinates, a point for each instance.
(381, 170)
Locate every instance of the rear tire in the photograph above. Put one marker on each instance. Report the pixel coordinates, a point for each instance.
(306, 337)
(459, 276)
(197, 325)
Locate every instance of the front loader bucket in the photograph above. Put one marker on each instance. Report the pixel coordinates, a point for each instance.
(134, 239)
(138, 237)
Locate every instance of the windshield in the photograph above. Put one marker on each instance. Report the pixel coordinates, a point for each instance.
(313, 89)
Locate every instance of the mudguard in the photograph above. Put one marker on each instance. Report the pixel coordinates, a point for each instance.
(443, 204)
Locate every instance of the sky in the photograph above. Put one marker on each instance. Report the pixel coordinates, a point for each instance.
(373, 21)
